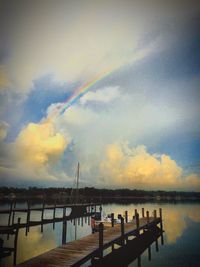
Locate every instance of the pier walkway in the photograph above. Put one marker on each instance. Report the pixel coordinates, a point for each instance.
(92, 247)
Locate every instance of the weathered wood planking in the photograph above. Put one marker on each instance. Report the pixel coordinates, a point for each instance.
(48, 207)
(79, 251)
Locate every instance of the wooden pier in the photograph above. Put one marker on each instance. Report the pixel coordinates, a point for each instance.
(93, 247)
(78, 211)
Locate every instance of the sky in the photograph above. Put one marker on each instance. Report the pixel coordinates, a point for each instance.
(111, 84)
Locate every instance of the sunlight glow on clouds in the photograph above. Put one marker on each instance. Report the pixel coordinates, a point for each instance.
(37, 148)
(142, 100)
(39, 144)
(136, 167)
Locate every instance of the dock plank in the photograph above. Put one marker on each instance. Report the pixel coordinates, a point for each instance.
(81, 250)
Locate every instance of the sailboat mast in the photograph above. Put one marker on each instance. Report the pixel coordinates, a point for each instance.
(77, 182)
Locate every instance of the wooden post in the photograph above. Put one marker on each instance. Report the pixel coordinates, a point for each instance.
(100, 209)
(10, 213)
(155, 214)
(9, 218)
(157, 245)
(126, 216)
(137, 221)
(13, 214)
(112, 219)
(161, 224)
(135, 212)
(54, 215)
(149, 253)
(64, 228)
(28, 217)
(15, 242)
(162, 238)
(142, 212)
(122, 229)
(81, 221)
(88, 220)
(42, 216)
(101, 240)
(147, 218)
(64, 232)
(139, 261)
(1, 249)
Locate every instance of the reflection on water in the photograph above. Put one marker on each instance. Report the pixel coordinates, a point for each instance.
(181, 224)
(174, 215)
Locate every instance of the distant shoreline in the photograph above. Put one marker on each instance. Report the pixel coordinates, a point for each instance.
(94, 194)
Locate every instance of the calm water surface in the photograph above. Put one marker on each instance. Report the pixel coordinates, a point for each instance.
(181, 238)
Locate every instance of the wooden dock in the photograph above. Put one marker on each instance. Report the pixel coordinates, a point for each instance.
(92, 247)
(78, 213)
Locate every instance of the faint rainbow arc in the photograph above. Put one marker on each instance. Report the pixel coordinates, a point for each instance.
(78, 93)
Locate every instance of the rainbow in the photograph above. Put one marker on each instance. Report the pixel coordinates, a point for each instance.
(79, 92)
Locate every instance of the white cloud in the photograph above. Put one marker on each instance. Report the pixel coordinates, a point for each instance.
(74, 42)
(104, 95)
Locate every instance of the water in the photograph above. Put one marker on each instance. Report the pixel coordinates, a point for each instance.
(181, 238)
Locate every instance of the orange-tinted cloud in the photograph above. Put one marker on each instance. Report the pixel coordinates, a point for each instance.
(38, 144)
(139, 169)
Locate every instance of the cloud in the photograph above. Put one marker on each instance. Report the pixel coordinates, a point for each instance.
(39, 144)
(104, 95)
(72, 41)
(4, 81)
(34, 153)
(3, 130)
(137, 168)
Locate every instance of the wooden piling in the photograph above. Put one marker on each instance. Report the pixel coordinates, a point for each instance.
(155, 214)
(112, 219)
(64, 232)
(160, 215)
(54, 215)
(157, 249)
(101, 240)
(135, 213)
(122, 230)
(15, 242)
(1, 249)
(149, 253)
(42, 216)
(9, 218)
(137, 220)
(126, 216)
(10, 213)
(139, 261)
(142, 212)
(64, 227)
(28, 217)
(147, 217)
(13, 213)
